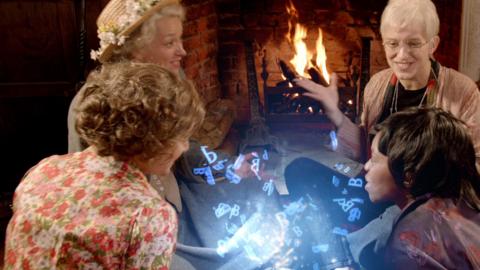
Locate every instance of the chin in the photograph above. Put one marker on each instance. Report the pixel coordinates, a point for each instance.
(404, 76)
(174, 68)
(372, 197)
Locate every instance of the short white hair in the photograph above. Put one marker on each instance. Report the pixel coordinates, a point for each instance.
(403, 13)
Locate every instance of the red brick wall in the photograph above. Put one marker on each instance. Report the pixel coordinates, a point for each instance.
(200, 42)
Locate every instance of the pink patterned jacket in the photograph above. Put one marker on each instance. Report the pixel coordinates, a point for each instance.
(457, 94)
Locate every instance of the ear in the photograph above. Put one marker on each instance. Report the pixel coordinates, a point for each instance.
(433, 44)
(408, 181)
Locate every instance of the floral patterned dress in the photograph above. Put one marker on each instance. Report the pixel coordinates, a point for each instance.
(83, 211)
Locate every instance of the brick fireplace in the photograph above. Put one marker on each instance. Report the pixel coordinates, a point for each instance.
(215, 32)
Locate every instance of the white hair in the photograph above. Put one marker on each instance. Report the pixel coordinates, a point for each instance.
(403, 13)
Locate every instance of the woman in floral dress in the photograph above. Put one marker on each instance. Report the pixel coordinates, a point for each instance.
(95, 209)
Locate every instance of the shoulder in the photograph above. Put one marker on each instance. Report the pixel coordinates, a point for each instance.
(382, 75)
(379, 80)
(432, 232)
(407, 244)
(452, 79)
(432, 214)
(457, 93)
(409, 230)
(374, 90)
(55, 162)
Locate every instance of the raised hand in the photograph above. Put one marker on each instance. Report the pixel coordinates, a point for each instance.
(328, 96)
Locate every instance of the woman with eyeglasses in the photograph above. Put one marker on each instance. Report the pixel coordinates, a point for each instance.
(409, 30)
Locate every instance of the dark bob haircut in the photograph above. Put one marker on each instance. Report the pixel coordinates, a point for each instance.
(434, 149)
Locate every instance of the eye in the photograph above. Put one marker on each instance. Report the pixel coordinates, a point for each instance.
(415, 43)
(169, 43)
(391, 44)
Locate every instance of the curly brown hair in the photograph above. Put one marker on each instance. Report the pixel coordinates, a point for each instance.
(137, 109)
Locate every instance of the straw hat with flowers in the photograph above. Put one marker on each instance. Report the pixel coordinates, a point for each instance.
(120, 18)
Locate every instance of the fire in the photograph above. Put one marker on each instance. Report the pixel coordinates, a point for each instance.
(301, 60)
(321, 60)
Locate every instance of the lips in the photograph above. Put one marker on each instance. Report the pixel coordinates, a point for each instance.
(366, 184)
(403, 66)
(176, 65)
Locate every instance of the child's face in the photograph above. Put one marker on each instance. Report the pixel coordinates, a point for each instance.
(380, 185)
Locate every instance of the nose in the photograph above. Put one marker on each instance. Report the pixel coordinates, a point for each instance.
(367, 165)
(180, 50)
(403, 51)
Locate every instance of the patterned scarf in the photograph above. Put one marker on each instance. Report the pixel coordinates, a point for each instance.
(431, 91)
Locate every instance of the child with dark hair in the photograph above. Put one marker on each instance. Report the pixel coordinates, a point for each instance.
(423, 160)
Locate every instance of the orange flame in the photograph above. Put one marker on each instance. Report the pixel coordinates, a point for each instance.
(301, 60)
(321, 60)
(292, 11)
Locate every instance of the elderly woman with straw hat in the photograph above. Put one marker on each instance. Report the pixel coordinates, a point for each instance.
(139, 31)
(143, 31)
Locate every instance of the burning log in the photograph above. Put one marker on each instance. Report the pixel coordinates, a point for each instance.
(290, 74)
(317, 76)
(283, 84)
(287, 71)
